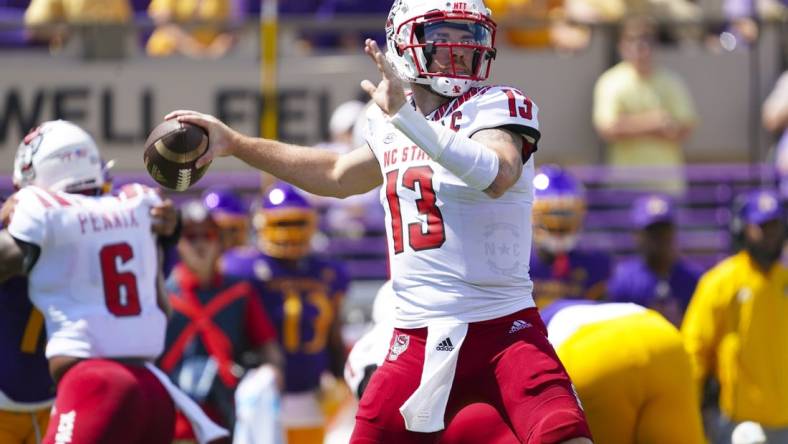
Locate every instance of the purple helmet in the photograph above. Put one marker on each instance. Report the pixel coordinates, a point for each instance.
(222, 200)
(285, 222)
(559, 209)
(230, 213)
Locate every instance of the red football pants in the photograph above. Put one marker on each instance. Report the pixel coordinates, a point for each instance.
(104, 401)
(506, 362)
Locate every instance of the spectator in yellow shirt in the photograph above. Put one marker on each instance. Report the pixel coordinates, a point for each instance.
(736, 326)
(195, 28)
(44, 19)
(540, 24)
(644, 112)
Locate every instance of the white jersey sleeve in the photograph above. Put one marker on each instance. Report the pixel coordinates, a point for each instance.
(29, 224)
(493, 107)
(505, 107)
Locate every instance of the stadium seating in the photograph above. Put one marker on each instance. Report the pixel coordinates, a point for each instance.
(703, 214)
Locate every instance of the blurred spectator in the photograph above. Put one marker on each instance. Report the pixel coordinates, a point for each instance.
(347, 40)
(743, 17)
(658, 278)
(775, 119)
(343, 121)
(607, 11)
(735, 328)
(349, 217)
(49, 20)
(643, 111)
(196, 28)
(231, 215)
(218, 327)
(540, 24)
(559, 269)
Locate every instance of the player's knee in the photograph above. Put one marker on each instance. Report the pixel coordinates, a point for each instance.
(561, 426)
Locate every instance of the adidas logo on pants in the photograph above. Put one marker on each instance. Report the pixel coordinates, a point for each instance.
(445, 345)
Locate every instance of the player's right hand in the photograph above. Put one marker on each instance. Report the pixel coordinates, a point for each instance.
(220, 136)
(165, 218)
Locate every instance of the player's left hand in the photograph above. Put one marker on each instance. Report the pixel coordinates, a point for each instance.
(165, 218)
(7, 211)
(389, 94)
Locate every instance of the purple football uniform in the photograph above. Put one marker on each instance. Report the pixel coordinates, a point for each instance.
(633, 281)
(301, 298)
(24, 372)
(575, 275)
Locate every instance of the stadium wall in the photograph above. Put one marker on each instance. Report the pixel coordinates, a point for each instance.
(120, 101)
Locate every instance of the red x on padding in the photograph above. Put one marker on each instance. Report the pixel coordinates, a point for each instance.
(213, 338)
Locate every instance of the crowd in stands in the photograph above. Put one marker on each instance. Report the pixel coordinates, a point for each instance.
(206, 29)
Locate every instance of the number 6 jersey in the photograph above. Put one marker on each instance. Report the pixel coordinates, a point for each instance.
(456, 254)
(95, 277)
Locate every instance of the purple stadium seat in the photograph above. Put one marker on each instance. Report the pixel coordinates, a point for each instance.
(12, 28)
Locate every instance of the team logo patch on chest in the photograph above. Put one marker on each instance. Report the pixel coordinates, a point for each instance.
(398, 347)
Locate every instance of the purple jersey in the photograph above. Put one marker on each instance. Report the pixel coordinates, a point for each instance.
(301, 301)
(634, 282)
(575, 275)
(24, 373)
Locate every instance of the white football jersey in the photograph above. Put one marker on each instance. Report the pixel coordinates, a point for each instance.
(95, 278)
(456, 253)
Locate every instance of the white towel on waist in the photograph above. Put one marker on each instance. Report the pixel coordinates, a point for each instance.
(426, 407)
(204, 429)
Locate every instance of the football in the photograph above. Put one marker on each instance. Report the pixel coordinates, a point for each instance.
(171, 152)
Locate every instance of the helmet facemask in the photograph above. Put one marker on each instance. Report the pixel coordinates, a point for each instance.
(448, 50)
(285, 223)
(285, 233)
(557, 223)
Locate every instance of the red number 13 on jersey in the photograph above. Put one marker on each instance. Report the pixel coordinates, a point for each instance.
(430, 215)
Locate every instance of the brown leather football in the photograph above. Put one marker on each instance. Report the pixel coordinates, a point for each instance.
(171, 151)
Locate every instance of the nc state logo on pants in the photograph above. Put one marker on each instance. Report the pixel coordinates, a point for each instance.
(398, 347)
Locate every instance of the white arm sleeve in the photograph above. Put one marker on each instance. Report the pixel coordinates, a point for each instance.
(469, 160)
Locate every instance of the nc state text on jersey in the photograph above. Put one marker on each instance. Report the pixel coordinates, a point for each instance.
(410, 153)
(98, 222)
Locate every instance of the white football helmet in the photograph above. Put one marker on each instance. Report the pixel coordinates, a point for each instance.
(59, 156)
(409, 24)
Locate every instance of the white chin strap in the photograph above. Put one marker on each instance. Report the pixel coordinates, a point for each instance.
(450, 87)
(558, 244)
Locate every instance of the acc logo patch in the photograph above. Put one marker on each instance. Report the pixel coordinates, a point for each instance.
(398, 347)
